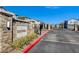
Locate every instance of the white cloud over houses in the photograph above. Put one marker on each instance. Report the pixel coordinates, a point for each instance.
(52, 7)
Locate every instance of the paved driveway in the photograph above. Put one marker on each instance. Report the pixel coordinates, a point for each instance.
(58, 41)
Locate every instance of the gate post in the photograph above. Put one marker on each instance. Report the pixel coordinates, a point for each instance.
(5, 32)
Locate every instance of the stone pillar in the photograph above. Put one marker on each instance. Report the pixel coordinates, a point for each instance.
(0, 35)
(76, 27)
(14, 30)
(5, 32)
(49, 27)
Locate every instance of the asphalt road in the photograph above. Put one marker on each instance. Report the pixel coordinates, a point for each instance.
(58, 41)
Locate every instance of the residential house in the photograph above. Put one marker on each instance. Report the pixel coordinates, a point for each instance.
(72, 24)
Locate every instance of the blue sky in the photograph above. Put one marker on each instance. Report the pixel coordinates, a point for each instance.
(47, 14)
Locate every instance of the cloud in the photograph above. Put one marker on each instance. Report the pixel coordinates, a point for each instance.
(52, 7)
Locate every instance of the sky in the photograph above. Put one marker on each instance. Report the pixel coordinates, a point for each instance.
(47, 14)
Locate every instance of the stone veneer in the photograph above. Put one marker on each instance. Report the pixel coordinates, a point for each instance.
(5, 33)
(9, 34)
(20, 29)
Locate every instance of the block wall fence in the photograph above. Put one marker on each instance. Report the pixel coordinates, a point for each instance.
(10, 30)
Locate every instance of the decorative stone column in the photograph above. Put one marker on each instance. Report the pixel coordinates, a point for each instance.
(5, 32)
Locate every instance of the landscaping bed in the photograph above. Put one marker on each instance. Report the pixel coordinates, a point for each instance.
(19, 44)
(26, 43)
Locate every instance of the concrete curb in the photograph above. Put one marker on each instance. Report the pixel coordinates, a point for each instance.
(30, 46)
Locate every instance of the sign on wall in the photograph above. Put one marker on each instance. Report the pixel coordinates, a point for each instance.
(21, 30)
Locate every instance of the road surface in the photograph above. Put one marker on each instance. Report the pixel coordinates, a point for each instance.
(58, 41)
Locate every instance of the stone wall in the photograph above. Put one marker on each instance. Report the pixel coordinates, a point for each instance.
(20, 29)
(11, 29)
